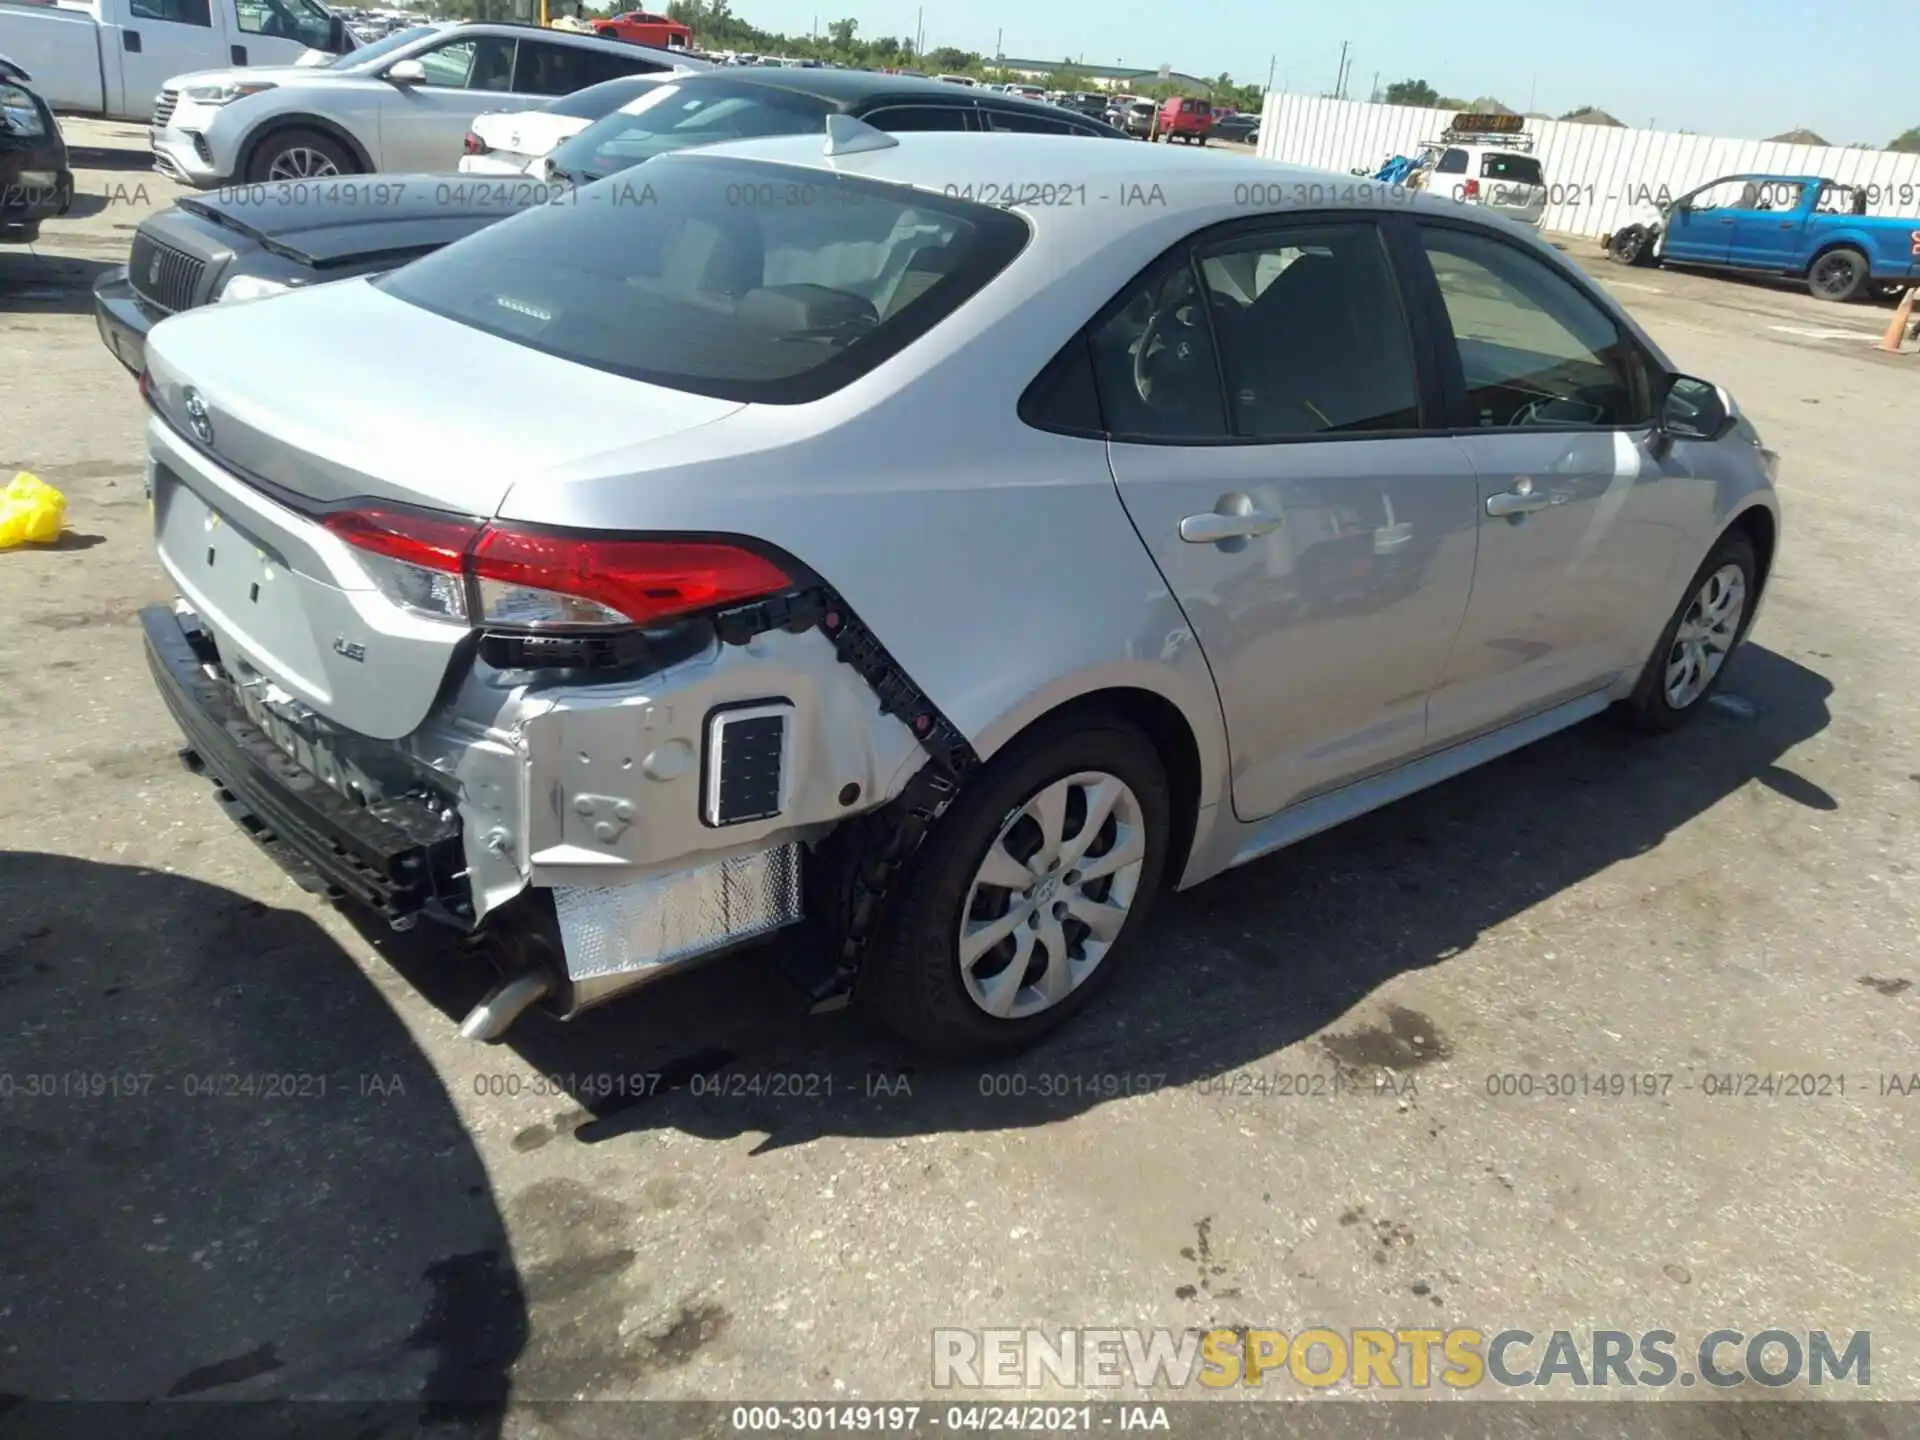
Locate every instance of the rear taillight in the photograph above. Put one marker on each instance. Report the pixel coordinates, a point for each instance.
(474, 145)
(519, 578)
(1470, 190)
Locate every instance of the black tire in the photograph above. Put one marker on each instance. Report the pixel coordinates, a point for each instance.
(1628, 245)
(1648, 709)
(283, 143)
(910, 981)
(1839, 275)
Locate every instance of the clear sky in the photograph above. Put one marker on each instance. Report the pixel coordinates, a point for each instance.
(1748, 68)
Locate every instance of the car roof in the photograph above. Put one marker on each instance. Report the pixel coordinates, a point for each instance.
(852, 87)
(1110, 186)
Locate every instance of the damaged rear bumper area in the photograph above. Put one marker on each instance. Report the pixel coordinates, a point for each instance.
(588, 838)
(401, 861)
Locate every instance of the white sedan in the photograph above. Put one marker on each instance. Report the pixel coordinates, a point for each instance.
(514, 142)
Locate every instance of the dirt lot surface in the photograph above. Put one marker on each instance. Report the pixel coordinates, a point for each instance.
(797, 1206)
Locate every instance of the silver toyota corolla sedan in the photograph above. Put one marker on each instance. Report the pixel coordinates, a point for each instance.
(917, 551)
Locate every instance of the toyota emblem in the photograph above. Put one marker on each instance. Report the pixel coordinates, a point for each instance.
(197, 417)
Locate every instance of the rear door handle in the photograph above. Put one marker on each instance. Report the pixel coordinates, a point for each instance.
(1213, 527)
(1523, 499)
(238, 54)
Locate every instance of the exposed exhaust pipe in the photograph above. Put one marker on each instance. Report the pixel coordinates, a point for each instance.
(506, 1003)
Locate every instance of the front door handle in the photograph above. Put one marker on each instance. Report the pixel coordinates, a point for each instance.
(1215, 527)
(1523, 499)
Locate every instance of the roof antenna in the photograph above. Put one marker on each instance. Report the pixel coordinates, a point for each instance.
(848, 136)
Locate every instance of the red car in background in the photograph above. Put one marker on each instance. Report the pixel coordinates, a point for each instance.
(642, 27)
(1185, 119)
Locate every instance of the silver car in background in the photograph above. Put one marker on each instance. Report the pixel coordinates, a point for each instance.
(948, 576)
(403, 103)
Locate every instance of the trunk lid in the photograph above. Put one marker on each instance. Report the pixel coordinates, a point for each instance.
(329, 222)
(269, 409)
(526, 134)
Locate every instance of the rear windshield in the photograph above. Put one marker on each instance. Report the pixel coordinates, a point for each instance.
(1515, 169)
(674, 116)
(602, 99)
(746, 281)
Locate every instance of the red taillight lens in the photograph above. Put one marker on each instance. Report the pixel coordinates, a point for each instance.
(434, 542)
(474, 145)
(510, 577)
(642, 581)
(1471, 190)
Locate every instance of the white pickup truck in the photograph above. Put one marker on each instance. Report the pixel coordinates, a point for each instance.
(110, 57)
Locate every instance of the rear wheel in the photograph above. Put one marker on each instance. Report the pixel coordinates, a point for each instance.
(1688, 664)
(1013, 912)
(300, 155)
(1838, 275)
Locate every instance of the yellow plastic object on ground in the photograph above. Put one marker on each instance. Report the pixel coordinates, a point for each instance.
(32, 512)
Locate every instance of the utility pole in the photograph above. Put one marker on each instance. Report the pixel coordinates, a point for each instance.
(1373, 95)
(1272, 60)
(919, 30)
(998, 52)
(1531, 86)
(1340, 79)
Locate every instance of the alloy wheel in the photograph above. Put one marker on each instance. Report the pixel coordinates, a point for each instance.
(1051, 894)
(298, 162)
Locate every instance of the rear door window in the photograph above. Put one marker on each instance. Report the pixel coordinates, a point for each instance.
(1021, 122)
(545, 69)
(904, 118)
(1312, 336)
(688, 284)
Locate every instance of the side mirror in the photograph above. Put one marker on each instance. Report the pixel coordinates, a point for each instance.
(1693, 409)
(337, 42)
(406, 72)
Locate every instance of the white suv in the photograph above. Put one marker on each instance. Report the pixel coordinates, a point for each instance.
(1503, 176)
(400, 104)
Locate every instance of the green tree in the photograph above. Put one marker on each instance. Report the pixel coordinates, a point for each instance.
(840, 33)
(1909, 143)
(1412, 92)
(951, 61)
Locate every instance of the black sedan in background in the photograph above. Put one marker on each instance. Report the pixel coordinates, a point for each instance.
(256, 240)
(251, 241)
(35, 183)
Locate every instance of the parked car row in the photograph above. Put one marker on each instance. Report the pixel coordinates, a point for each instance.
(660, 660)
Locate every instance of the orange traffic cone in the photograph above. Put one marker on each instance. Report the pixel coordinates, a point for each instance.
(1897, 327)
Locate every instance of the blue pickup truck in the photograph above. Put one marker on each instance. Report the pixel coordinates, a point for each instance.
(1802, 226)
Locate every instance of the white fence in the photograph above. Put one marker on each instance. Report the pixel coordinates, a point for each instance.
(1596, 174)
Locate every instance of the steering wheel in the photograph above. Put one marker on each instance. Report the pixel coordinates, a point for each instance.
(1175, 344)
